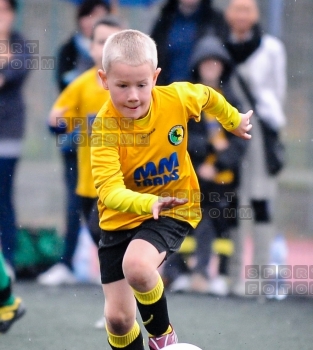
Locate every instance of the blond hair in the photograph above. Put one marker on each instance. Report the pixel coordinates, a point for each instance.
(131, 47)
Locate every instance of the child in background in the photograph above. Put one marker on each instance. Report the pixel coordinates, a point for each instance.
(147, 188)
(216, 156)
(217, 168)
(78, 105)
(73, 59)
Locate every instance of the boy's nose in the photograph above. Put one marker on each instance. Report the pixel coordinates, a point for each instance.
(133, 95)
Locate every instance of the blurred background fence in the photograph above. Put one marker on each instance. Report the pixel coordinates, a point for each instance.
(40, 189)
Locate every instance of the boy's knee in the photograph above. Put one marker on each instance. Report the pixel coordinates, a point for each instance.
(118, 323)
(135, 271)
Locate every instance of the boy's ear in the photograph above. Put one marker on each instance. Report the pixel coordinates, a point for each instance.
(156, 74)
(103, 76)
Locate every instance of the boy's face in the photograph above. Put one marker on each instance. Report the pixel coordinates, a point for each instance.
(130, 87)
(101, 33)
(242, 15)
(6, 17)
(210, 72)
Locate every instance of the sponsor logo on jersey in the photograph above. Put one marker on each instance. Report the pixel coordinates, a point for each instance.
(152, 174)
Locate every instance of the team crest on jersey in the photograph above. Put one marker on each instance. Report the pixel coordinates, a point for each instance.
(176, 135)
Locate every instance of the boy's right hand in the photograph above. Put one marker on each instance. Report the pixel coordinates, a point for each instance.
(166, 203)
(244, 126)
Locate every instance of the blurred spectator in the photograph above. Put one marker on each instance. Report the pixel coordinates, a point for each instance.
(74, 56)
(73, 59)
(114, 4)
(261, 66)
(177, 29)
(12, 121)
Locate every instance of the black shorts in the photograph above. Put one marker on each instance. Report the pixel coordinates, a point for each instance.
(165, 234)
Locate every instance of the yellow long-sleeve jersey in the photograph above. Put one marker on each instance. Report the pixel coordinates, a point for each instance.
(135, 162)
(83, 99)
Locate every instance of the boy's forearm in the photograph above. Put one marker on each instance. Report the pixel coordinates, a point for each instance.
(224, 112)
(125, 200)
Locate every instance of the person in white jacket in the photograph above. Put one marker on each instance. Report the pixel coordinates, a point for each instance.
(261, 65)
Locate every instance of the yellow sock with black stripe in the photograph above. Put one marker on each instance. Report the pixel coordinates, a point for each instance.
(152, 306)
(133, 340)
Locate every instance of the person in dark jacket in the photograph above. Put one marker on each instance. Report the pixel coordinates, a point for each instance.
(74, 56)
(216, 157)
(12, 121)
(179, 26)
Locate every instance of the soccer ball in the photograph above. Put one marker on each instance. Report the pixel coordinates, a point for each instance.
(181, 346)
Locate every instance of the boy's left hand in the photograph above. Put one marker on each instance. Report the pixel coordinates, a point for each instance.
(166, 203)
(244, 126)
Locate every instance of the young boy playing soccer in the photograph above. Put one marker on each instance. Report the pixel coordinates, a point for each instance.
(141, 168)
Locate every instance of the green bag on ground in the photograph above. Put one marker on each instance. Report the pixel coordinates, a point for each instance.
(36, 250)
